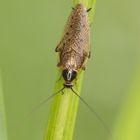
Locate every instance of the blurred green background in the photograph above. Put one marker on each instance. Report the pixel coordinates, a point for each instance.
(29, 33)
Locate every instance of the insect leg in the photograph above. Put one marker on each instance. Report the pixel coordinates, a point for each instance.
(89, 55)
(62, 92)
(59, 47)
(73, 8)
(84, 67)
(85, 55)
(88, 10)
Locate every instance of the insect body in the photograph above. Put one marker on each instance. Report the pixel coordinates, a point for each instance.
(73, 49)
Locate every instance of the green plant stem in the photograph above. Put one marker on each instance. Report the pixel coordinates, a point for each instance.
(3, 127)
(64, 107)
(63, 113)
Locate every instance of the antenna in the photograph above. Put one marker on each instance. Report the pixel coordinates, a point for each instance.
(44, 101)
(87, 105)
(94, 112)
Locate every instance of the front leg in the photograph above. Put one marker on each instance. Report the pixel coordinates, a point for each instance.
(59, 47)
(86, 56)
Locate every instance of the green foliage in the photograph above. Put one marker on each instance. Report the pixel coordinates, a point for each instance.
(64, 108)
(63, 113)
(128, 124)
(29, 33)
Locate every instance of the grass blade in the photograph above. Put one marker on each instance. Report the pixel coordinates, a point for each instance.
(3, 127)
(64, 107)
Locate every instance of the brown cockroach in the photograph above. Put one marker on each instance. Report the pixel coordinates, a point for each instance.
(74, 48)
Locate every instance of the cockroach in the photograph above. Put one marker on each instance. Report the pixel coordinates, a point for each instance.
(74, 51)
(74, 48)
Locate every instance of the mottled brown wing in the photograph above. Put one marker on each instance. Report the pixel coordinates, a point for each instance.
(65, 33)
(75, 39)
(80, 30)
